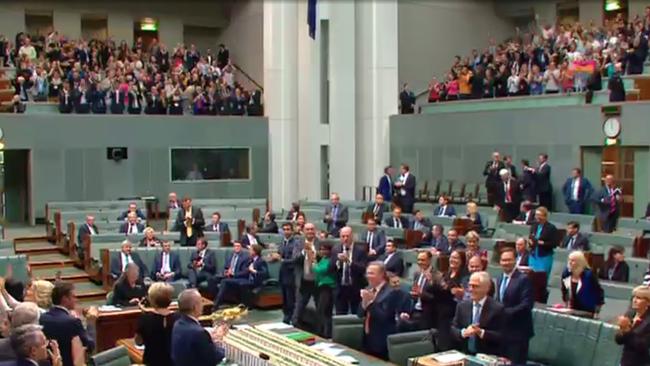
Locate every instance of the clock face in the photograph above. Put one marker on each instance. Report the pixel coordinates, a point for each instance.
(612, 127)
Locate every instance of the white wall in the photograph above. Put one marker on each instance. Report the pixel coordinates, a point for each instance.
(637, 7)
(243, 37)
(591, 10)
(432, 32)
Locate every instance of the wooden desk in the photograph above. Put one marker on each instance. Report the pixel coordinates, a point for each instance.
(134, 353)
(115, 325)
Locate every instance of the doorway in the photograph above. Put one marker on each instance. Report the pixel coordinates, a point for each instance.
(16, 186)
(147, 29)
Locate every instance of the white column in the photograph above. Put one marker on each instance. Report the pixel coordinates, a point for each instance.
(281, 98)
(377, 86)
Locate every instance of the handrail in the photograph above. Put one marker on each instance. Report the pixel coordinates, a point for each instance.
(249, 77)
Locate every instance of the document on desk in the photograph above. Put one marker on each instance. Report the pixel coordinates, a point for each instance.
(108, 308)
(273, 326)
(348, 359)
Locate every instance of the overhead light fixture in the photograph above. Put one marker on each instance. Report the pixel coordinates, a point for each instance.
(149, 25)
(612, 5)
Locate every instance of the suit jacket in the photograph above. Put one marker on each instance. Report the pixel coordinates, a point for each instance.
(394, 264)
(117, 102)
(604, 207)
(409, 189)
(636, 342)
(342, 217)
(124, 228)
(383, 208)
(491, 320)
(191, 344)
(378, 241)
(138, 213)
(83, 231)
(357, 267)
(528, 186)
(174, 265)
(585, 190)
(492, 175)
(268, 228)
(385, 187)
(518, 301)
(450, 211)
(197, 224)
(154, 107)
(548, 235)
(425, 224)
(59, 325)
(441, 243)
(390, 222)
(522, 217)
(512, 169)
(581, 242)
(262, 268)
(245, 242)
(515, 196)
(543, 178)
(524, 259)
(209, 261)
(241, 266)
(620, 273)
(117, 265)
(287, 261)
(300, 257)
(223, 228)
(381, 315)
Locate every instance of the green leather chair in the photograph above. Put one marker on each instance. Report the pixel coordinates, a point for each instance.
(117, 356)
(348, 331)
(607, 352)
(402, 346)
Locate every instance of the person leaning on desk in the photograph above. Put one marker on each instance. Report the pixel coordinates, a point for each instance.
(129, 290)
(580, 287)
(634, 330)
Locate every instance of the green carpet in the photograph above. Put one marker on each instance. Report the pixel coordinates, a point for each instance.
(51, 272)
(48, 257)
(86, 287)
(35, 245)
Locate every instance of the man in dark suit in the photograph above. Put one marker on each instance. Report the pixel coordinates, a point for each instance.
(133, 207)
(305, 256)
(478, 323)
(349, 261)
(336, 215)
(89, 228)
(203, 264)
(66, 99)
(454, 242)
(378, 208)
(392, 259)
(491, 173)
(444, 209)
(385, 187)
(438, 241)
(166, 264)
(419, 222)
(396, 220)
(235, 266)
(543, 182)
(250, 236)
(423, 307)
(58, 324)
(526, 214)
(507, 164)
(527, 182)
(123, 258)
(189, 222)
(515, 292)
(287, 275)
(577, 192)
(191, 344)
(574, 240)
(375, 238)
(507, 196)
(132, 226)
(380, 306)
(406, 189)
(521, 252)
(609, 205)
(117, 99)
(216, 226)
(258, 271)
(29, 347)
(154, 102)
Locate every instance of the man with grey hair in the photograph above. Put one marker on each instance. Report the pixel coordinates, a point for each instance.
(477, 325)
(507, 196)
(336, 215)
(305, 256)
(25, 313)
(30, 345)
(191, 343)
(350, 263)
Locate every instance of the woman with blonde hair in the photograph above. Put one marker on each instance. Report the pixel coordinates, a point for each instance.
(580, 287)
(474, 215)
(150, 239)
(38, 292)
(543, 239)
(472, 240)
(155, 326)
(634, 330)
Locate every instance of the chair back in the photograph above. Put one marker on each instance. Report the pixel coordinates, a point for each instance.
(117, 356)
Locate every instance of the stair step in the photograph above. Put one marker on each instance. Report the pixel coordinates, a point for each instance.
(89, 291)
(36, 247)
(49, 260)
(69, 273)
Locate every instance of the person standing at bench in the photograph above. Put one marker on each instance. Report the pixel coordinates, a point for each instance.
(305, 253)
(131, 226)
(375, 239)
(515, 292)
(508, 196)
(242, 288)
(577, 192)
(203, 264)
(190, 223)
(609, 205)
(543, 235)
(527, 182)
(634, 330)
(406, 189)
(325, 282)
(336, 215)
(580, 287)
(478, 323)
(385, 187)
(491, 173)
(543, 182)
(350, 263)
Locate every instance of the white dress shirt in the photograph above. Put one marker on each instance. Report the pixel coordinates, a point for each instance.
(166, 267)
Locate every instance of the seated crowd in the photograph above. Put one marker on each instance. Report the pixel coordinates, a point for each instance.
(102, 76)
(549, 59)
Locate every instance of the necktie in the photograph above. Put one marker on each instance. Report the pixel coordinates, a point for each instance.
(370, 237)
(442, 210)
(366, 323)
(335, 212)
(127, 260)
(471, 343)
(233, 262)
(508, 195)
(130, 229)
(346, 269)
(571, 242)
(188, 229)
(376, 209)
(612, 202)
(504, 286)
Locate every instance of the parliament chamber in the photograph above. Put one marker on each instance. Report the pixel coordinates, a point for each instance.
(325, 183)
